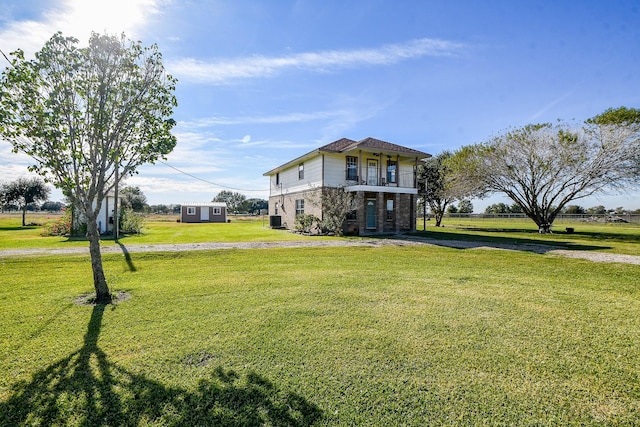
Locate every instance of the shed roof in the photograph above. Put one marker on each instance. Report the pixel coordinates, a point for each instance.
(204, 204)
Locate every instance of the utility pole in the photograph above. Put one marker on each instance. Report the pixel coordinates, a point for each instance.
(116, 207)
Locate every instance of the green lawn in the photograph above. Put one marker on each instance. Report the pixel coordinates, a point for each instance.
(611, 237)
(157, 230)
(322, 336)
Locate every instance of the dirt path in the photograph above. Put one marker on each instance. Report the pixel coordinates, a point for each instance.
(398, 241)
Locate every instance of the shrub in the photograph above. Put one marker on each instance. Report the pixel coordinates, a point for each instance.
(305, 223)
(131, 222)
(61, 227)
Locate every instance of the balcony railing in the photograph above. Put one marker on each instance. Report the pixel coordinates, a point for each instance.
(404, 180)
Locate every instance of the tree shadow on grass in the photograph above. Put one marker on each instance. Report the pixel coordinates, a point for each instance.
(19, 227)
(127, 256)
(86, 389)
(460, 240)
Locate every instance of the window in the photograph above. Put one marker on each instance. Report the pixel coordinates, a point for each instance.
(389, 209)
(299, 206)
(191, 210)
(392, 166)
(352, 168)
(276, 208)
(278, 178)
(217, 211)
(301, 171)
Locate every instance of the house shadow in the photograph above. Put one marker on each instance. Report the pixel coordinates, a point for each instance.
(458, 240)
(87, 389)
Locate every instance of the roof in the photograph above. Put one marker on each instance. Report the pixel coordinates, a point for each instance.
(345, 145)
(202, 204)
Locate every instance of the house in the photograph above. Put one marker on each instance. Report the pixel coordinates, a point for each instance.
(105, 218)
(204, 212)
(381, 176)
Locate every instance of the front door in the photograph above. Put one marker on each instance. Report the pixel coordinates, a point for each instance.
(371, 214)
(204, 213)
(372, 172)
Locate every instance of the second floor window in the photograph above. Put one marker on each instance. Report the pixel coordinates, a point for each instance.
(299, 206)
(301, 171)
(352, 168)
(392, 167)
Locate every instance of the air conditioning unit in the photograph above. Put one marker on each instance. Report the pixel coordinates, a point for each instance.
(275, 221)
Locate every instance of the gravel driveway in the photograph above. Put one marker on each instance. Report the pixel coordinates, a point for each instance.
(395, 241)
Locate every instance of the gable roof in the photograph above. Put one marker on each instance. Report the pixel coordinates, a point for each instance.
(368, 144)
(345, 145)
(205, 204)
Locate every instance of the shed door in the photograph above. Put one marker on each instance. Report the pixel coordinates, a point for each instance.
(204, 213)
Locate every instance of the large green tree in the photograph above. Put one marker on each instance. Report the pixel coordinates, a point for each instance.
(441, 183)
(133, 198)
(87, 115)
(23, 192)
(435, 188)
(234, 200)
(543, 167)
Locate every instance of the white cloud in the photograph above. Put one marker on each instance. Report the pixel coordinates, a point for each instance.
(275, 119)
(78, 18)
(226, 71)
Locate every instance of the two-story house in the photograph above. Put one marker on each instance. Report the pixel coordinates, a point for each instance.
(381, 176)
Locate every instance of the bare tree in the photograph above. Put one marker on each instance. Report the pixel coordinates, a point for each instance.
(544, 167)
(336, 203)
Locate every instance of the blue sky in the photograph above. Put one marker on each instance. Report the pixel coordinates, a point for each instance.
(262, 82)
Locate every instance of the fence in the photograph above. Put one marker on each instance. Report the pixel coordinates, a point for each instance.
(561, 218)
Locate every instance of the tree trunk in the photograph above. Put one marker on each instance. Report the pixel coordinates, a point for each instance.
(103, 296)
(24, 216)
(544, 227)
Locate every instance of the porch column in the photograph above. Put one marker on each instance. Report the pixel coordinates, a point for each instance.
(361, 213)
(397, 212)
(381, 214)
(413, 206)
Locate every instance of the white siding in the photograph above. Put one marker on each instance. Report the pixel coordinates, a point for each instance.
(312, 176)
(335, 171)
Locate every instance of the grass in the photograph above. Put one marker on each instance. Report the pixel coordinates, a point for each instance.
(322, 336)
(618, 238)
(158, 229)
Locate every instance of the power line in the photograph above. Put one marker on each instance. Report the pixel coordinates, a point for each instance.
(173, 167)
(6, 57)
(207, 181)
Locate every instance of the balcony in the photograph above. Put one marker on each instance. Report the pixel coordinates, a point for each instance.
(389, 183)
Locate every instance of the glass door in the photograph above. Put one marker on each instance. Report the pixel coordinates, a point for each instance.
(372, 172)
